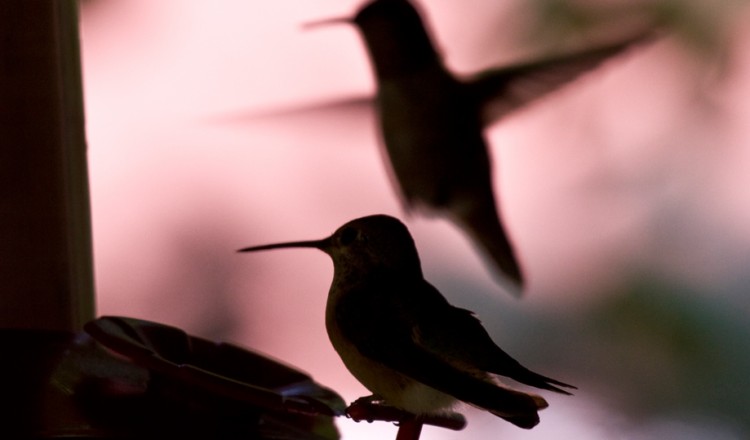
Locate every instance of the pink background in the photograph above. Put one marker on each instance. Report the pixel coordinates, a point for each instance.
(639, 167)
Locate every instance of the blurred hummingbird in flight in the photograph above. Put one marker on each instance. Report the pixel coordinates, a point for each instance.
(432, 122)
(400, 337)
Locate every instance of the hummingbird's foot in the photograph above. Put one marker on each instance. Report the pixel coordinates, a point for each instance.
(365, 408)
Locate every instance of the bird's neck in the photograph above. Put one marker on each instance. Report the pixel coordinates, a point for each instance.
(392, 58)
(394, 69)
(354, 272)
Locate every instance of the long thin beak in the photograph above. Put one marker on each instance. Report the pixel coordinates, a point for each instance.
(317, 244)
(327, 22)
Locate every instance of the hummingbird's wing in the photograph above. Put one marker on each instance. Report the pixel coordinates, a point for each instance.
(382, 326)
(445, 329)
(500, 91)
(335, 109)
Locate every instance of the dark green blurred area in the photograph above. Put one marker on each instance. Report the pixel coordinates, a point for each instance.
(652, 351)
(700, 24)
(660, 347)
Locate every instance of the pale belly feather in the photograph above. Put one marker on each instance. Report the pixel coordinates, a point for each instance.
(393, 387)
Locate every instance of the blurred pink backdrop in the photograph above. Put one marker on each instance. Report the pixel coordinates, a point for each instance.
(641, 165)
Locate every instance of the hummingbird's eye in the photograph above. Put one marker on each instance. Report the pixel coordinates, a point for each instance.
(348, 235)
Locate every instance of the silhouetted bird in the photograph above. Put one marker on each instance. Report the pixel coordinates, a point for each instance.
(400, 337)
(432, 122)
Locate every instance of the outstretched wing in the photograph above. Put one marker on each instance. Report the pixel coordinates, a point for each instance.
(500, 91)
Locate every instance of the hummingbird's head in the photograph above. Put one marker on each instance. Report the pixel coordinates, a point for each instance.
(390, 14)
(376, 241)
(395, 35)
(367, 243)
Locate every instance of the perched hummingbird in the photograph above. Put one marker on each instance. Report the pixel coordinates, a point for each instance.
(400, 337)
(431, 122)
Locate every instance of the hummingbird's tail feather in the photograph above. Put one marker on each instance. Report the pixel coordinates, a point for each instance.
(525, 421)
(483, 226)
(502, 364)
(480, 391)
(515, 406)
(528, 377)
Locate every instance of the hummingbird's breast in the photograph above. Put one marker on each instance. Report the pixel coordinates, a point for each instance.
(432, 135)
(395, 388)
(376, 377)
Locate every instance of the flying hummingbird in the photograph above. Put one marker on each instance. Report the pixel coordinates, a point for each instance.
(431, 122)
(401, 338)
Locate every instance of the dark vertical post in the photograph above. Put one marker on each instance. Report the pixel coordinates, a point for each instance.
(46, 275)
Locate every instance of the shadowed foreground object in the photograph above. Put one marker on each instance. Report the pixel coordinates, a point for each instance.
(400, 337)
(432, 123)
